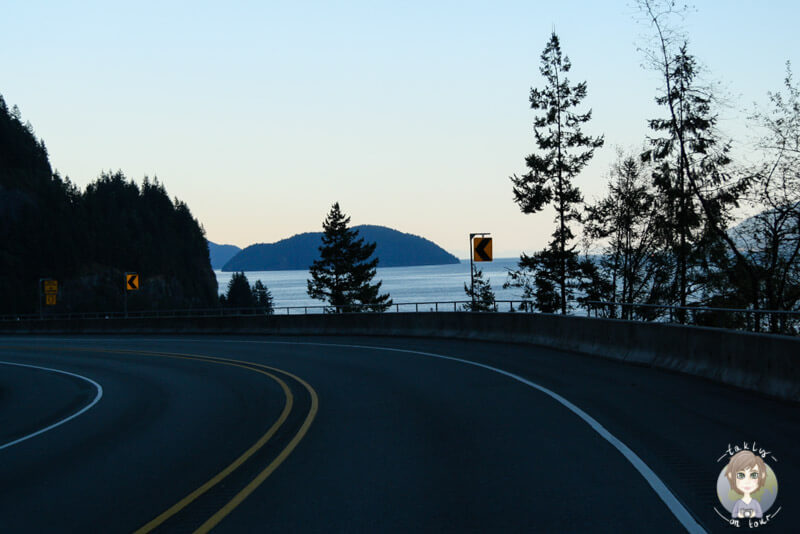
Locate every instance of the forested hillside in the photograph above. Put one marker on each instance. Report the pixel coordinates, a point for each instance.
(87, 240)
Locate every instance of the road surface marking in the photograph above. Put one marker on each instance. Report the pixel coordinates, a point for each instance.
(259, 479)
(83, 410)
(231, 505)
(213, 481)
(668, 498)
(244, 493)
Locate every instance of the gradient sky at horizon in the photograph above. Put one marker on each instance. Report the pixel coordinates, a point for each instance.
(260, 115)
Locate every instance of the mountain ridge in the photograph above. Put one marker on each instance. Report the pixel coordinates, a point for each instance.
(220, 254)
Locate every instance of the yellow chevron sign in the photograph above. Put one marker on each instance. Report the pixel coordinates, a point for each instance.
(482, 249)
(131, 281)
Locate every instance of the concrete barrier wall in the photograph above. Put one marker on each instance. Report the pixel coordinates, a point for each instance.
(765, 363)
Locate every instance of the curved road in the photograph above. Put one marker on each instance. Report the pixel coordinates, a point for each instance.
(362, 434)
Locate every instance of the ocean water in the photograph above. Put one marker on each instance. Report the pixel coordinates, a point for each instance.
(426, 283)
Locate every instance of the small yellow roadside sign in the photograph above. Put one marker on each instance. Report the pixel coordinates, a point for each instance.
(482, 249)
(51, 287)
(131, 281)
(50, 300)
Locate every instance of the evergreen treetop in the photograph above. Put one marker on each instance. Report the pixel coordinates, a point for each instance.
(239, 294)
(564, 150)
(263, 297)
(342, 274)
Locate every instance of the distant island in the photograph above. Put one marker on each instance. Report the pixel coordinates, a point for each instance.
(220, 254)
(394, 248)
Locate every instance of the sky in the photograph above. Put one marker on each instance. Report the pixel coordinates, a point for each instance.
(412, 115)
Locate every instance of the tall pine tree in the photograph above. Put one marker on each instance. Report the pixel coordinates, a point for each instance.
(343, 274)
(626, 222)
(696, 193)
(563, 152)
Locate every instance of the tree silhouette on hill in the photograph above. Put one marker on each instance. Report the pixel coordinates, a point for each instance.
(342, 275)
(87, 240)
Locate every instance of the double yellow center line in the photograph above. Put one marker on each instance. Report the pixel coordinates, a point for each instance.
(262, 476)
(214, 520)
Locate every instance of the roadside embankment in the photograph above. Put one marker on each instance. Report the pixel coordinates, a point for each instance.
(760, 362)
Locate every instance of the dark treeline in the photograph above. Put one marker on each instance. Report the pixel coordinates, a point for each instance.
(87, 240)
(240, 294)
(667, 228)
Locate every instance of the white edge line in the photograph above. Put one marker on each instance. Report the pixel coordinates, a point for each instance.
(675, 506)
(668, 498)
(66, 419)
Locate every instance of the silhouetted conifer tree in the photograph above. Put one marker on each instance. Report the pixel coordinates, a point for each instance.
(696, 193)
(626, 222)
(484, 299)
(563, 152)
(343, 274)
(770, 240)
(263, 297)
(239, 294)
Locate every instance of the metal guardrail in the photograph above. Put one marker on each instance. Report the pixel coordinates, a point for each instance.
(692, 308)
(416, 307)
(775, 321)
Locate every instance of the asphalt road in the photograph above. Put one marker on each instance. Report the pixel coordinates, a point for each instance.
(354, 434)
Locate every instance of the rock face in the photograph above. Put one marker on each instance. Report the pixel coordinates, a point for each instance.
(220, 254)
(394, 249)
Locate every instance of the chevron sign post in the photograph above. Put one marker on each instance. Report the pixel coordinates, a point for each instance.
(480, 249)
